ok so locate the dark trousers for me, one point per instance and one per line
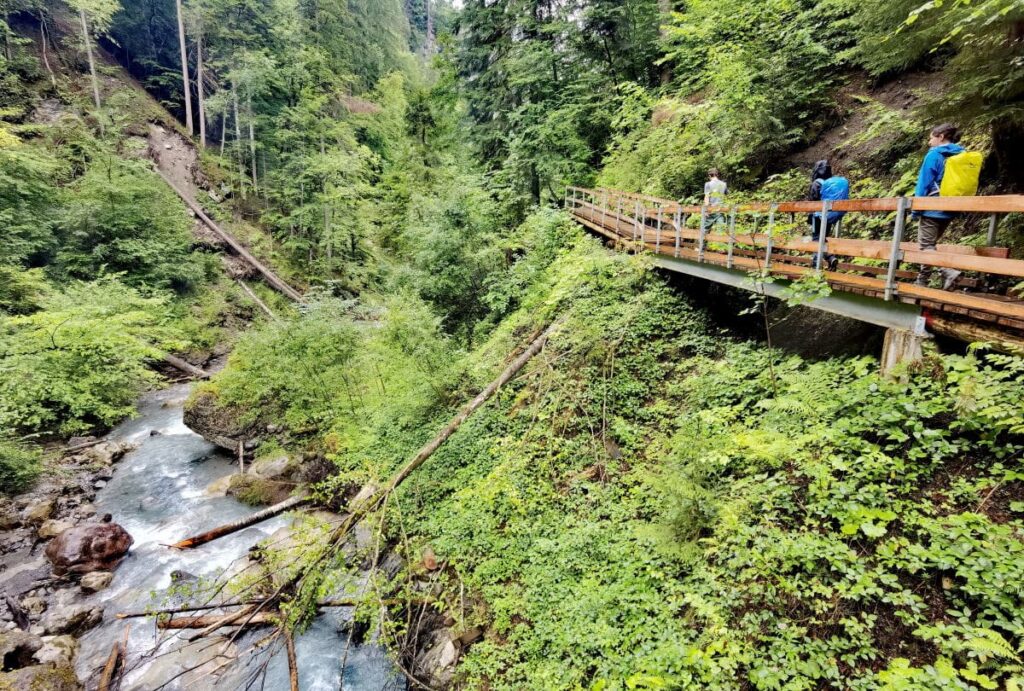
(815, 222)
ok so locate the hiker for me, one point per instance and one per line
(826, 186)
(714, 195)
(931, 182)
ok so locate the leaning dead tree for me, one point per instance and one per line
(273, 279)
(372, 499)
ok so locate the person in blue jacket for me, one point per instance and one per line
(825, 185)
(932, 224)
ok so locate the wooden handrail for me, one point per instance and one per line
(635, 226)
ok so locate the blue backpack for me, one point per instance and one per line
(834, 189)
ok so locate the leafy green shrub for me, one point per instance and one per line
(81, 360)
(19, 466)
(119, 217)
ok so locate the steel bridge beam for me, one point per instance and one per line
(890, 315)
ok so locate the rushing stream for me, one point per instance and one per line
(158, 494)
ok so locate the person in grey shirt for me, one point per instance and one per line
(714, 195)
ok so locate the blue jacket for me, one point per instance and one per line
(930, 177)
(834, 188)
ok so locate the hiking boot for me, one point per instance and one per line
(949, 277)
(833, 263)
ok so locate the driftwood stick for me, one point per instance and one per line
(293, 664)
(186, 367)
(209, 624)
(241, 456)
(234, 527)
(115, 663)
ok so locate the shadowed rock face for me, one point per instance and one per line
(88, 547)
(218, 425)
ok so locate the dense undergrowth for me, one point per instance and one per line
(651, 505)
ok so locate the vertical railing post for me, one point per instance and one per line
(604, 208)
(819, 259)
(636, 224)
(657, 232)
(771, 238)
(618, 213)
(896, 252)
(993, 221)
(679, 221)
(839, 224)
(732, 236)
(701, 233)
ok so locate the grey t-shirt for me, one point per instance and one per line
(715, 189)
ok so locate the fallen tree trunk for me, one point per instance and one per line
(186, 367)
(376, 499)
(269, 275)
(974, 333)
(255, 298)
(212, 623)
(344, 602)
(293, 662)
(234, 527)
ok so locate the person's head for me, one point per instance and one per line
(945, 133)
(713, 173)
(821, 169)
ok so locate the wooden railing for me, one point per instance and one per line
(873, 267)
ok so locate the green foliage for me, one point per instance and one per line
(28, 203)
(752, 81)
(119, 217)
(80, 362)
(19, 466)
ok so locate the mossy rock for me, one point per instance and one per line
(256, 491)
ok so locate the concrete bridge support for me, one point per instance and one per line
(900, 346)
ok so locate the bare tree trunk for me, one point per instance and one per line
(252, 143)
(186, 84)
(223, 131)
(200, 76)
(92, 66)
(238, 137)
(46, 54)
(665, 14)
(430, 30)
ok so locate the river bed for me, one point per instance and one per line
(158, 494)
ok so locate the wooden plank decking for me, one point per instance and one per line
(880, 269)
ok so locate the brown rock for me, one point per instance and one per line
(88, 547)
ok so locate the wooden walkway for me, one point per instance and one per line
(768, 238)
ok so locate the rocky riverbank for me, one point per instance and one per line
(55, 551)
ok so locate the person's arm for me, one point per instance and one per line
(707, 193)
(814, 194)
(928, 176)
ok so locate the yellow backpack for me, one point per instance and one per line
(960, 178)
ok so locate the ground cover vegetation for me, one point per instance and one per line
(652, 503)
